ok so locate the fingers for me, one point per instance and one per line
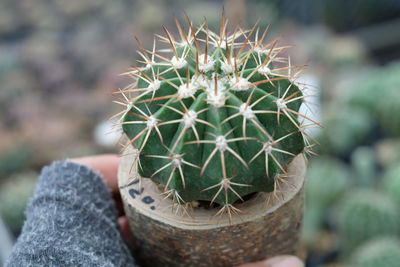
(106, 165)
(278, 261)
(126, 230)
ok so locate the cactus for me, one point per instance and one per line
(378, 95)
(219, 119)
(364, 215)
(391, 183)
(345, 129)
(383, 252)
(327, 181)
(373, 87)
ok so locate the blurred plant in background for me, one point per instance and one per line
(14, 194)
(60, 61)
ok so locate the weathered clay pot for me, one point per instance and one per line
(269, 223)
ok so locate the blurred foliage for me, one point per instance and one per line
(361, 129)
(371, 87)
(391, 182)
(364, 163)
(327, 181)
(388, 151)
(389, 110)
(346, 127)
(341, 15)
(14, 160)
(14, 196)
(364, 215)
(383, 252)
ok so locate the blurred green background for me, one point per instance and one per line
(60, 61)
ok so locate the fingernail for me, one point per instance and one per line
(284, 261)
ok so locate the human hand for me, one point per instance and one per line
(107, 166)
(278, 261)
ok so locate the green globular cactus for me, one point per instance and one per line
(345, 129)
(365, 215)
(378, 95)
(383, 252)
(373, 88)
(217, 119)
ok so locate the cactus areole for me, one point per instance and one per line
(213, 117)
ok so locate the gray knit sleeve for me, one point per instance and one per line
(71, 221)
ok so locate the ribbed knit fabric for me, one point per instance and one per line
(71, 221)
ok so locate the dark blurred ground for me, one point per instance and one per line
(60, 60)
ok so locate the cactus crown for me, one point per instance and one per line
(214, 117)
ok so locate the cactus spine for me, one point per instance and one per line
(219, 119)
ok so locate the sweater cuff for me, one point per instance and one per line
(78, 182)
